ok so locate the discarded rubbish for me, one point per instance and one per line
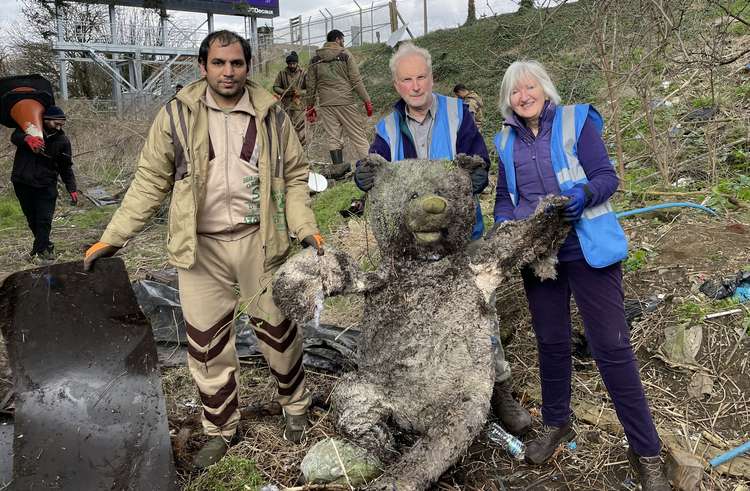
(684, 469)
(635, 308)
(356, 209)
(100, 197)
(702, 114)
(326, 347)
(316, 182)
(334, 461)
(727, 456)
(681, 345)
(726, 285)
(701, 386)
(725, 313)
(88, 389)
(511, 444)
(572, 445)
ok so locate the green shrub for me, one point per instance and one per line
(231, 473)
(327, 205)
(636, 260)
(11, 215)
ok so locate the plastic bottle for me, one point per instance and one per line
(510, 443)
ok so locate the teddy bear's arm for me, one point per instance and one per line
(306, 279)
(533, 242)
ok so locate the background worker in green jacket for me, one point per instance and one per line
(238, 178)
(290, 87)
(332, 80)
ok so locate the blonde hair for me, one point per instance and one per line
(517, 71)
(408, 49)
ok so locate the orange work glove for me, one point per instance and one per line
(315, 241)
(100, 249)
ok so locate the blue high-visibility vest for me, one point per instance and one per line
(602, 239)
(448, 116)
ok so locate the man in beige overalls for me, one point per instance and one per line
(238, 178)
(332, 79)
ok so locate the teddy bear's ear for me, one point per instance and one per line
(374, 160)
(468, 162)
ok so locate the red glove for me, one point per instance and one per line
(311, 114)
(74, 198)
(35, 143)
(368, 108)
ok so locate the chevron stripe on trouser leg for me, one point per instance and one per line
(279, 339)
(209, 300)
(281, 346)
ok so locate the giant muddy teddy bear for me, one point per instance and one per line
(425, 373)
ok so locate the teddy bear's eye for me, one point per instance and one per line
(414, 196)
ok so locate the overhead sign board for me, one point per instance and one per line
(253, 8)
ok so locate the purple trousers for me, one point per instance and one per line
(599, 297)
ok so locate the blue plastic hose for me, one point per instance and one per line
(727, 456)
(665, 205)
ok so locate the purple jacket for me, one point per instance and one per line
(468, 140)
(535, 177)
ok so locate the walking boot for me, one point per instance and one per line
(295, 427)
(513, 415)
(650, 472)
(541, 448)
(338, 168)
(212, 451)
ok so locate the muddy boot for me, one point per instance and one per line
(541, 448)
(650, 472)
(212, 451)
(515, 418)
(338, 168)
(295, 427)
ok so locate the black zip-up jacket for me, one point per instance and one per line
(41, 171)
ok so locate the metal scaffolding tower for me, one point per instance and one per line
(171, 53)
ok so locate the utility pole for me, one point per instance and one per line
(424, 9)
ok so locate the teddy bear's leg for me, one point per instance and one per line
(362, 413)
(442, 446)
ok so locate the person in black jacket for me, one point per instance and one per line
(34, 178)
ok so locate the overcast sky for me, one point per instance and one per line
(441, 13)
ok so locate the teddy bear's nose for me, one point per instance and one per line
(434, 205)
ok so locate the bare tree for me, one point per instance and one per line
(471, 15)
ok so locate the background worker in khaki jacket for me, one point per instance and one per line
(474, 102)
(332, 79)
(290, 87)
(238, 179)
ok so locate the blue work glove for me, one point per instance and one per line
(364, 176)
(479, 180)
(499, 220)
(579, 196)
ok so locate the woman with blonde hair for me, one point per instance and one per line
(546, 148)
